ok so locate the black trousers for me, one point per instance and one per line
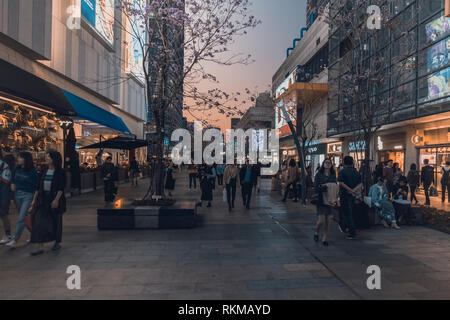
(426, 188)
(347, 221)
(444, 188)
(288, 188)
(247, 189)
(413, 193)
(231, 193)
(109, 191)
(220, 179)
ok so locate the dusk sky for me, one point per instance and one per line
(281, 23)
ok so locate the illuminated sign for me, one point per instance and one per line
(281, 123)
(438, 84)
(88, 8)
(286, 84)
(357, 146)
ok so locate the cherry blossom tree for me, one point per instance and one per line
(175, 40)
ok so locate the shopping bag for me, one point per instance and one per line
(433, 192)
(224, 195)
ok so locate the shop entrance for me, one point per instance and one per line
(396, 156)
(437, 156)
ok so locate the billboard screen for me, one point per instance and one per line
(438, 84)
(438, 55)
(437, 29)
(99, 14)
(135, 37)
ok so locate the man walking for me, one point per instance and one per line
(427, 177)
(350, 188)
(247, 176)
(388, 174)
(193, 173)
(109, 176)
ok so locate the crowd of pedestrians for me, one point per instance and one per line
(38, 196)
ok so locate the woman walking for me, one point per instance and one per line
(291, 180)
(51, 205)
(5, 197)
(25, 186)
(414, 182)
(325, 180)
(230, 178)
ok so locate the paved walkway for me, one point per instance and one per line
(265, 253)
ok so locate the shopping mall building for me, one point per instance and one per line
(65, 63)
(301, 85)
(418, 127)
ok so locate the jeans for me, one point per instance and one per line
(347, 221)
(445, 186)
(192, 180)
(23, 201)
(231, 193)
(220, 179)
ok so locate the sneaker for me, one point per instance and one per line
(37, 253)
(6, 239)
(350, 237)
(11, 244)
(340, 229)
(384, 223)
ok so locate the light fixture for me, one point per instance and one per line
(27, 105)
(398, 147)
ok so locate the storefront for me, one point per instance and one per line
(357, 150)
(335, 153)
(315, 155)
(392, 147)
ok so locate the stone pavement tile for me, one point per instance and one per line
(432, 295)
(439, 275)
(304, 267)
(292, 283)
(116, 290)
(60, 292)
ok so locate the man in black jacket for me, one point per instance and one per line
(109, 176)
(427, 178)
(248, 177)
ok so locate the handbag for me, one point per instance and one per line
(433, 192)
(315, 198)
(29, 220)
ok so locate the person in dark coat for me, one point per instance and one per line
(170, 179)
(207, 181)
(413, 181)
(51, 205)
(109, 175)
(427, 178)
(248, 176)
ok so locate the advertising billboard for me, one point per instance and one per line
(438, 55)
(135, 37)
(437, 29)
(438, 84)
(99, 14)
(281, 123)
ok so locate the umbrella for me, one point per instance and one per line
(119, 143)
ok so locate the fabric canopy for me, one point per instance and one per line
(119, 143)
(21, 86)
(86, 110)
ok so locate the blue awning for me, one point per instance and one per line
(91, 112)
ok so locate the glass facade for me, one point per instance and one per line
(416, 71)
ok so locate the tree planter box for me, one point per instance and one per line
(181, 215)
